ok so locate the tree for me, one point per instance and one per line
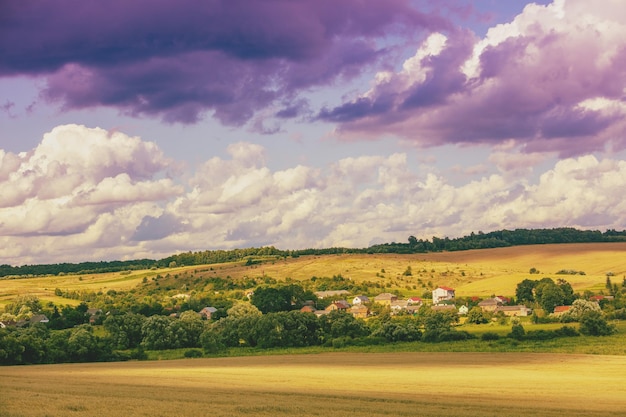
(477, 316)
(517, 332)
(549, 295)
(157, 334)
(524, 291)
(271, 300)
(125, 330)
(593, 323)
(341, 324)
(191, 326)
(437, 323)
(243, 309)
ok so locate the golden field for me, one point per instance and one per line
(382, 384)
(472, 273)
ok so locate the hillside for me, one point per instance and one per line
(472, 273)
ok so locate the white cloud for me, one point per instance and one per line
(241, 202)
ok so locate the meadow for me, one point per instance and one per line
(372, 384)
(472, 273)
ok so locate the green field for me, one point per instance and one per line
(391, 384)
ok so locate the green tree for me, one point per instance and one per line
(341, 324)
(477, 316)
(593, 323)
(271, 300)
(524, 291)
(436, 323)
(243, 309)
(550, 295)
(156, 333)
(125, 330)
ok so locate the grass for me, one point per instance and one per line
(382, 384)
(472, 273)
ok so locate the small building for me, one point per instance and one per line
(207, 312)
(308, 309)
(560, 310)
(38, 318)
(463, 310)
(490, 304)
(385, 298)
(359, 311)
(412, 301)
(360, 299)
(398, 306)
(442, 294)
(340, 305)
(514, 311)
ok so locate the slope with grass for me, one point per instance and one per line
(472, 273)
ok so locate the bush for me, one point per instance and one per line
(454, 335)
(593, 323)
(489, 336)
(193, 353)
(566, 331)
(517, 332)
(139, 354)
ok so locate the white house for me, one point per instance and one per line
(360, 299)
(442, 294)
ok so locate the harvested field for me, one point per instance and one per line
(386, 384)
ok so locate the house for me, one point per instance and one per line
(38, 318)
(359, 311)
(442, 294)
(385, 298)
(341, 305)
(360, 299)
(514, 311)
(308, 309)
(502, 299)
(490, 304)
(398, 305)
(207, 312)
(414, 301)
(333, 293)
(598, 298)
(463, 310)
(560, 310)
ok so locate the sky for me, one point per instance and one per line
(142, 129)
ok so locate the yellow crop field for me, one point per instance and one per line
(380, 384)
(471, 273)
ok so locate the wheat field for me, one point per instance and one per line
(382, 384)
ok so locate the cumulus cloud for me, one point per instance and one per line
(73, 205)
(76, 178)
(552, 79)
(178, 62)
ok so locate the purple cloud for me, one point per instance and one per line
(180, 60)
(545, 81)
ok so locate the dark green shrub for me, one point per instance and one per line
(193, 353)
(489, 336)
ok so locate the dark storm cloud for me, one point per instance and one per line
(179, 59)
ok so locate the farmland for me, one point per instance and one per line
(400, 384)
(471, 273)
